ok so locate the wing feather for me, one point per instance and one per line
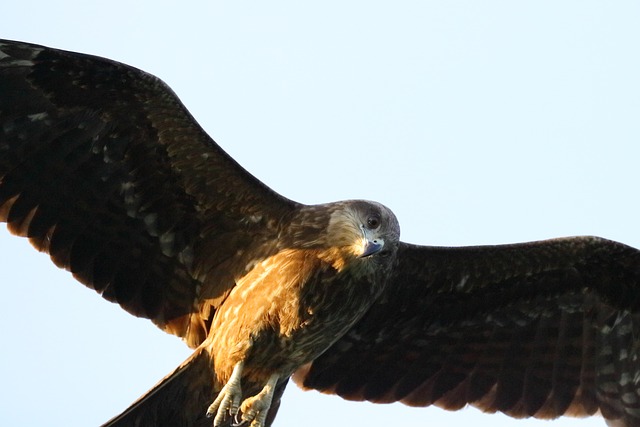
(540, 330)
(103, 168)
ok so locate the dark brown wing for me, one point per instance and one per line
(102, 167)
(539, 329)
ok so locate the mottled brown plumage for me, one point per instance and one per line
(103, 168)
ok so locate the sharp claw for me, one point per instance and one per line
(237, 421)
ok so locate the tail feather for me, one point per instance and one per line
(179, 400)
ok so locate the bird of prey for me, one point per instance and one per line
(105, 170)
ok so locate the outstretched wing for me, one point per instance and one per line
(103, 168)
(539, 329)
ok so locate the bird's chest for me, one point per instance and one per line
(287, 311)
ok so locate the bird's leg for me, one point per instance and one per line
(228, 400)
(255, 409)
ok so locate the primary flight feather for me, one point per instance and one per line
(104, 169)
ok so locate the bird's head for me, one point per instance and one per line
(367, 230)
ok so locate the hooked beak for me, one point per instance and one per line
(372, 245)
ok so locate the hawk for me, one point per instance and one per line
(105, 170)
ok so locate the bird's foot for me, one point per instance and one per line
(255, 409)
(227, 402)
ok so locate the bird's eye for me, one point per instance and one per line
(373, 222)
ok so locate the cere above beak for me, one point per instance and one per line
(372, 244)
(371, 247)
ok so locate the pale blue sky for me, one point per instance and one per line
(477, 122)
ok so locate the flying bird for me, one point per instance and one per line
(104, 169)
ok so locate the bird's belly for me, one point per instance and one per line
(299, 341)
(276, 322)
